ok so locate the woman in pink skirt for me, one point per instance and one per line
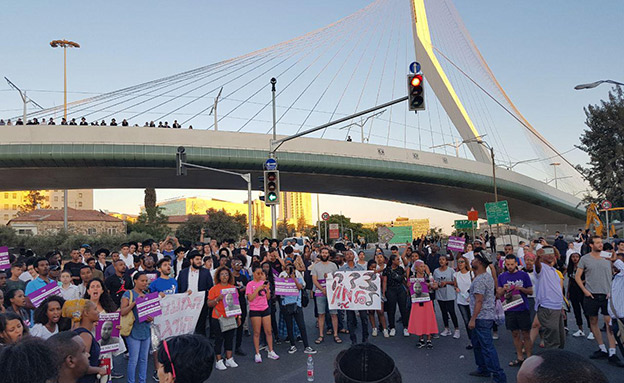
(422, 317)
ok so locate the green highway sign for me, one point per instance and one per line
(465, 224)
(497, 212)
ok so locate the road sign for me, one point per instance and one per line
(334, 231)
(464, 224)
(414, 67)
(270, 164)
(606, 204)
(497, 212)
(325, 216)
(473, 215)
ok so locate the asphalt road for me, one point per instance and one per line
(448, 361)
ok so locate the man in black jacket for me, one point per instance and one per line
(196, 278)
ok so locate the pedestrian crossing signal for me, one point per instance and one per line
(415, 92)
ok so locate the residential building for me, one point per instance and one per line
(50, 221)
(296, 209)
(10, 201)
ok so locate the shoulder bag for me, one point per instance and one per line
(127, 321)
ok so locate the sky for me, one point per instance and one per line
(537, 49)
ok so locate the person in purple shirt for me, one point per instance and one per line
(513, 287)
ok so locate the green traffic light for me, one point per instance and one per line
(271, 197)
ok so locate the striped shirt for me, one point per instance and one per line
(617, 291)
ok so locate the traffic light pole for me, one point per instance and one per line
(272, 155)
(247, 178)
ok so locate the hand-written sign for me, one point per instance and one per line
(180, 313)
(354, 290)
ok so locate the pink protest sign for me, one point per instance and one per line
(107, 332)
(419, 290)
(456, 243)
(148, 306)
(38, 296)
(5, 264)
(286, 287)
(323, 283)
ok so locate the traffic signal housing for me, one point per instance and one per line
(180, 158)
(271, 187)
(415, 92)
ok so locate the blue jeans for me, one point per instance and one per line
(484, 351)
(138, 351)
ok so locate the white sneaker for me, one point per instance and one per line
(258, 358)
(272, 355)
(220, 365)
(456, 335)
(292, 350)
(309, 350)
(230, 363)
(405, 332)
(578, 334)
(392, 332)
(591, 336)
(495, 336)
(385, 333)
(375, 331)
(446, 332)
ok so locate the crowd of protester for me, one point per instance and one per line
(83, 122)
(522, 288)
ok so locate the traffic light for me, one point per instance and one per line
(415, 92)
(271, 187)
(180, 158)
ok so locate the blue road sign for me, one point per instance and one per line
(414, 67)
(270, 164)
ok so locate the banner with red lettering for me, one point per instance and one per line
(354, 290)
(180, 313)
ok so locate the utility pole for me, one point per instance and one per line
(554, 165)
(272, 155)
(318, 217)
(25, 99)
(214, 108)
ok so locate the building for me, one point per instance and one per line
(10, 201)
(296, 209)
(198, 206)
(50, 221)
(419, 226)
(174, 221)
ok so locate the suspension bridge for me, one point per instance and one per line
(435, 158)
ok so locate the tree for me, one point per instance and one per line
(34, 200)
(151, 221)
(191, 229)
(222, 226)
(358, 228)
(603, 141)
(150, 198)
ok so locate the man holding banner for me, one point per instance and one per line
(351, 265)
(320, 272)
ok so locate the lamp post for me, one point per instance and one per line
(64, 44)
(595, 84)
(455, 145)
(554, 165)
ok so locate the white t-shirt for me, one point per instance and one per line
(129, 260)
(463, 284)
(42, 332)
(70, 293)
(469, 257)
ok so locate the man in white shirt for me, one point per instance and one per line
(125, 255)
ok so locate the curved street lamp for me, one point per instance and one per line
(595, 84)
(64, 44)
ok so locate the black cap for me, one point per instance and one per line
(365, 363)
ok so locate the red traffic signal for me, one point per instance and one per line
(415, 92)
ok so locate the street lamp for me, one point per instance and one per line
(362, 123)
(554, 165)
(595, 84)
(455, 145)
(64, 44)
(479, 140)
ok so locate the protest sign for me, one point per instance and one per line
(512, 301)
(148, 306)
(107, 332)
(354, 290)
(419, 290)
(180, 313)
(323, 283)
(39, 295)
(286, 287)
(456, 243)
(231, 302)
(5, 264)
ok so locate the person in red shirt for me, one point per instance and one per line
(224, 339)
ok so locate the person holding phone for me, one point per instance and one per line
(258, 292)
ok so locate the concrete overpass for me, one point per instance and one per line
(106, 157)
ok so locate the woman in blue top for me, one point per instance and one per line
(139, 339)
